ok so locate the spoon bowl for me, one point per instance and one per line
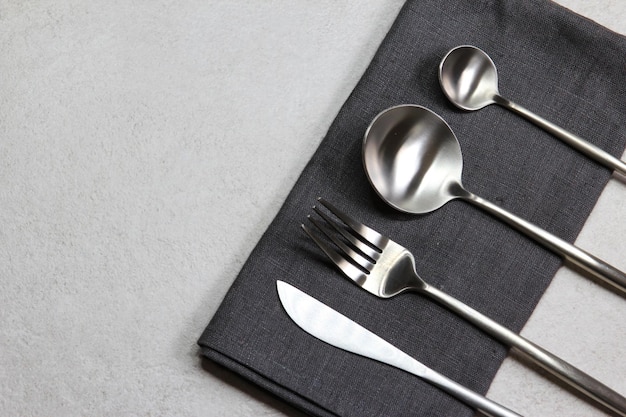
(469, 78)
(413, 160)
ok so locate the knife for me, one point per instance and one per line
(337, 330)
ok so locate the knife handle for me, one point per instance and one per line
(466, 395)
(569, 374)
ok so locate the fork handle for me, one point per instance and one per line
(569, 374)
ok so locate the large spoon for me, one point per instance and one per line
(414, 162)
(469, 79)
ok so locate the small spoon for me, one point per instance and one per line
(413, 160)
(469, 79)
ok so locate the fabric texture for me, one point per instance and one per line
(563, 67)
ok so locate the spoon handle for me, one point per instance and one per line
(551, 363)
(579, 257)
(574, 141)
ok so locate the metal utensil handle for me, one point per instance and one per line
(583, 259)
(574, 141)
(551, 363)
(468, 396)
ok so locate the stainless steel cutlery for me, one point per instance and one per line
(332, 327)
(385, 268)
(413, 160)
(468, 77)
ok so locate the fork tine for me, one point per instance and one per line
(370, 236)
(352, 255)
(349, 269)
(362, 248)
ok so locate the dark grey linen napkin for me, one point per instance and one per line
(560, 65)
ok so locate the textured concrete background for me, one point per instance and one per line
(145, 147)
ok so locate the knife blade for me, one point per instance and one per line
(332, 327)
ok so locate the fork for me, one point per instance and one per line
(385, 269)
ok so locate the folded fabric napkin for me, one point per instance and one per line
(564, 67)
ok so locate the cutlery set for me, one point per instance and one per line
(414, 163)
